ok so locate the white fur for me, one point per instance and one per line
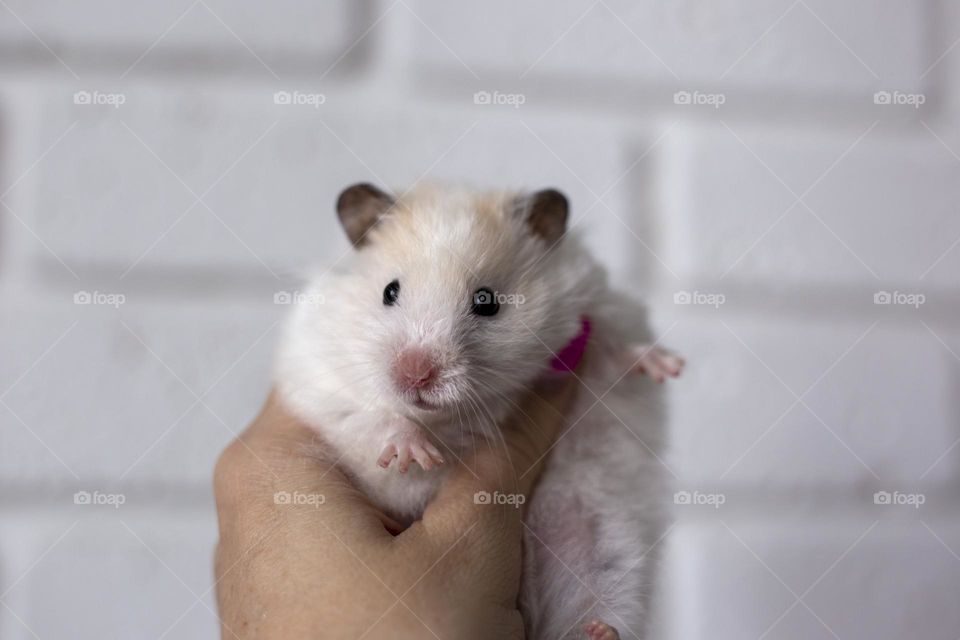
(596, 510)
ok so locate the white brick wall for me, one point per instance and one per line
(874, 205)
(114, 35)
(197, 199)
(692, 42)
(853, 579)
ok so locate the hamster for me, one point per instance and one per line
(454, 303)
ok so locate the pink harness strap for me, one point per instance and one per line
(570, 356)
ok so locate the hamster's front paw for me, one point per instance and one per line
(408, 443)
(654, 361)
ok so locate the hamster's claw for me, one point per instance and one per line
(654, 361)
(409, 447)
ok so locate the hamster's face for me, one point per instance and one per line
(442, 343)
(467, 307)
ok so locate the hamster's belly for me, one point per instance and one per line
(593, 517)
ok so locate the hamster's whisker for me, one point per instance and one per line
(350, 382)
(473, 409)
(362, 363)
(511, 402)
(502, 395)
(491, 420)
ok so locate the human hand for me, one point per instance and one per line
(324, 564)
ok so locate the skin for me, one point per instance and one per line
(341, 569)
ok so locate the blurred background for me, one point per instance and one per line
(777, 179)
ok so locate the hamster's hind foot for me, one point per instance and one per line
(597, 630)
(653, 361)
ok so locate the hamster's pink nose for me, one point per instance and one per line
(415, 368)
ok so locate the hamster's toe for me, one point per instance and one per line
(410, 446)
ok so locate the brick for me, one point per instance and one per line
(106, 406)
(275, 206)
(898, 581)
(99, 580)
(889, 200)
(872, 400)
(211, 33)
(750, 45)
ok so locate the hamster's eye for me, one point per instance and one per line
(485, 302)
(391, 292)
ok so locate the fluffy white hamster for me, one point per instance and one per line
(454, 302)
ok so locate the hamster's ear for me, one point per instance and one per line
(359, 207)
(545, 213)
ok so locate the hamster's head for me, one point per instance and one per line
(461, 297)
